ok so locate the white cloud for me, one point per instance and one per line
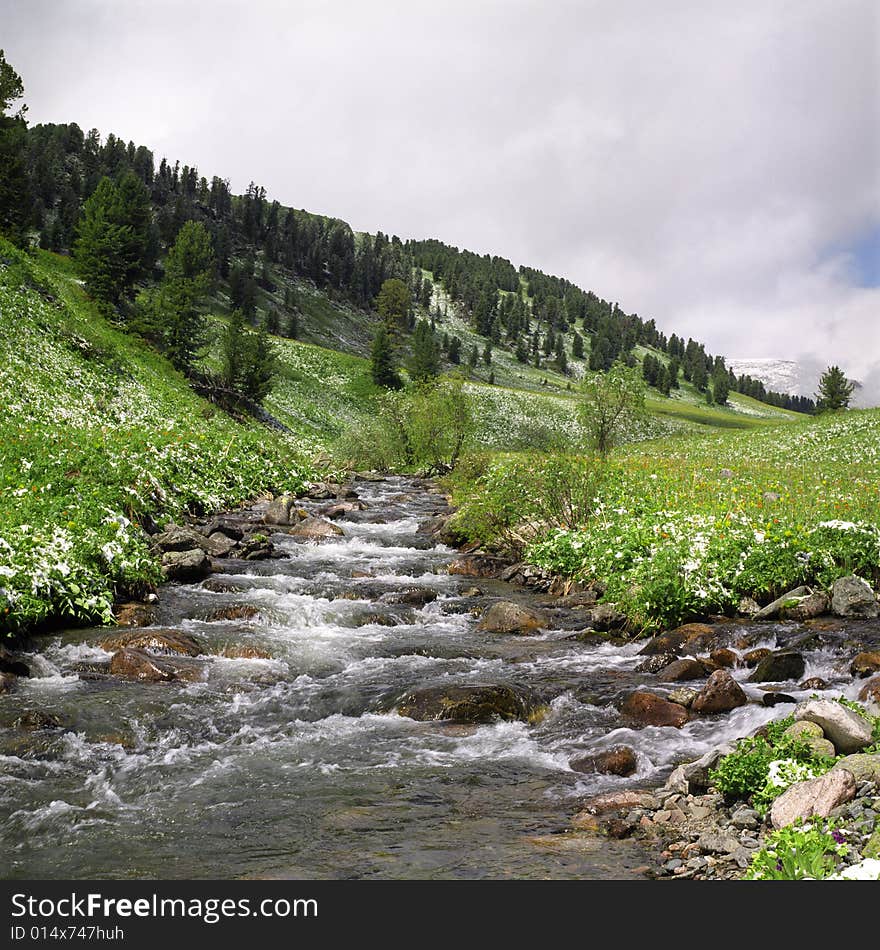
(694, 160)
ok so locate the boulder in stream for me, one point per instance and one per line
(865, 664)
(508, 617)
(167, 642)
(721, 694)
(648, 709)
(186, 566)
(281, 511)
(682, 670)
(470, 702)
(618, 760)
(135, 614)
(147, 667)
(690, 639)
(316, 529)
(779, 667)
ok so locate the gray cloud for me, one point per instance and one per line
(704, 163)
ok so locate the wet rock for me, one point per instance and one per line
(37, 720)
(12, 665)
(684, 696)
(780, 667)
(656, 663)
(865, 664)
(648, 709)
(135, 614)
(281, 511)
(220, 544)
(852, 597)
(607, 617)
(7, 682)
(814, 683)
(316, 529)
(169, 642)
(258, 548)
(232, 612)
(747, 607)
(690, 638)
(140, 665)
(177, 538)
(244, 651)
(224, 526)
(342, 509)
(186, 566)
(507, 617)
(479, 703)
(864, 767)
(618, 760)
(817, 796)
(724, 658)
(754, 657)
(611, 801)
(776, 699)
(477, 565)
(720, 694)
(870, 692)
(321, 492)
(682, 670)
(847, 730)
(412, 597)
(786, 601)
(812, 606)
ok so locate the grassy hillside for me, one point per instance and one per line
(97, 431)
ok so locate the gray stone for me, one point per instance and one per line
(177, 538)
(812, 606)
(852, 597)
(607, 617)
(316, 529)
(281, 511)
(716, 842)
(220, 544)
(186, 566)
(684, 696)
(817, 796)
(745, 818)
(804, 728)
(693, 776)
(864, 767)
(847, 730)
(789, 600)
(779, 667)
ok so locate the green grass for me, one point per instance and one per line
(686, 525)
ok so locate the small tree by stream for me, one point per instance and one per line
(610, 403)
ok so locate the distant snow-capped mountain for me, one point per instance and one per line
(798, 378)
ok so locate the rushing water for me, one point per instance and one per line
(287, 767)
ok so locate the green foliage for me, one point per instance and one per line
(383, 366)
(248, 362)
(835, 390)
(610, 403)
(507, 503)
(798, 852)
(13, 147)
(113, 238)
(761, 768)
(423, 428)
(425, 361)
(393, 303)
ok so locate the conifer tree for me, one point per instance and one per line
(383, 367)
(835, 390)
(425, 361)
(13, 149)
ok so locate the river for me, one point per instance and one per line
(288, 767)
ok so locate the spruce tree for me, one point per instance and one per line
(189, 271)
(454, 352)
(425, 361)
(383, 367)
(577, 346)
(522, 354)
(835, 390)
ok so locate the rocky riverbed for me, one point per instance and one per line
(326, 688)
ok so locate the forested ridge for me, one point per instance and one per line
(546, 321)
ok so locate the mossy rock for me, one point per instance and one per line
(475, 703)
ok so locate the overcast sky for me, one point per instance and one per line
(713, 165)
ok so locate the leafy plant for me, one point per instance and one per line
(798, 852)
